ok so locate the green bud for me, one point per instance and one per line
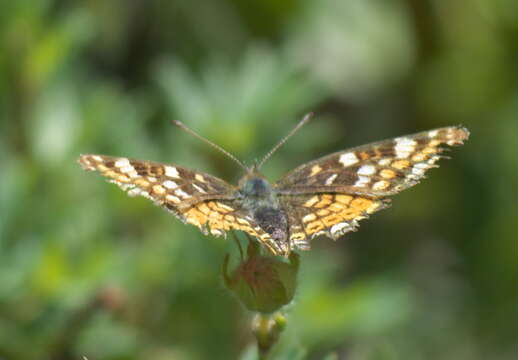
(267, 329)
(263, 283)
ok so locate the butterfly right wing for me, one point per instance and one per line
(333, 215)
(378, 169)
(331, 194)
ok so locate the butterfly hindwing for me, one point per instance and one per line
(328, 214)
(220, 216)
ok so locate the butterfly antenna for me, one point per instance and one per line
(302, 122)
(184, 127)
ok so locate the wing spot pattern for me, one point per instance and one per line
(172, 198)
(388, 174)
(404, 147)
(204, 208)
(198, 188)
(344, 199)
(315, 170)
(362, 181)
(339, 209)
(366, 170)
(419, 157)
(309, 218)
(158, 189)
(122, 163)
(141, 183)
(171, 171)
(311, 201)
(182, 194)
(401, 164)
(200, 178)
(348, 159)
(170, 184)
(329, 180)
(381, 185)
(324, 201)
(314, 227)
(322, 212)
(331, 220)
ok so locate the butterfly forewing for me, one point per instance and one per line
(174, 187)
(378, 169)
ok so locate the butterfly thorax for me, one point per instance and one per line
(258, 197)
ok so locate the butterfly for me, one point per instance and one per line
(327, 196)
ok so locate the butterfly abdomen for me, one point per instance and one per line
(260, 200)
(274, 221)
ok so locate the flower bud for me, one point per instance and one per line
(263, 283)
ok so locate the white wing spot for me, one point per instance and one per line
(97, 158)
(172, 199)
(330, 179)
(171, 172)
(134, 191)
(433, 159)
(122, 163)
(308, 218)
(216, 232)
(348, 159)
(385, 162)
(130, 171)
(224, 207)
(366, 170)
(362, 181)
(158, 189)
(338, 228)
(182, 194)
(380, 185)
(419, 169)
(315, 170)
(433, 133)
(146, 195)
(126, 169)
(404, 147)
(170, 184)
(199, 188)
(200, 178)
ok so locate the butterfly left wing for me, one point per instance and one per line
(172, 186)
(196, 198)
(331, 194)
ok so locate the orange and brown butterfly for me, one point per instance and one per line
(325, 196)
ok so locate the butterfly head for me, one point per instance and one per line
(255, 185)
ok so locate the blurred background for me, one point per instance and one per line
(87, 271)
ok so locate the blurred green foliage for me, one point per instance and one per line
(87, 271)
